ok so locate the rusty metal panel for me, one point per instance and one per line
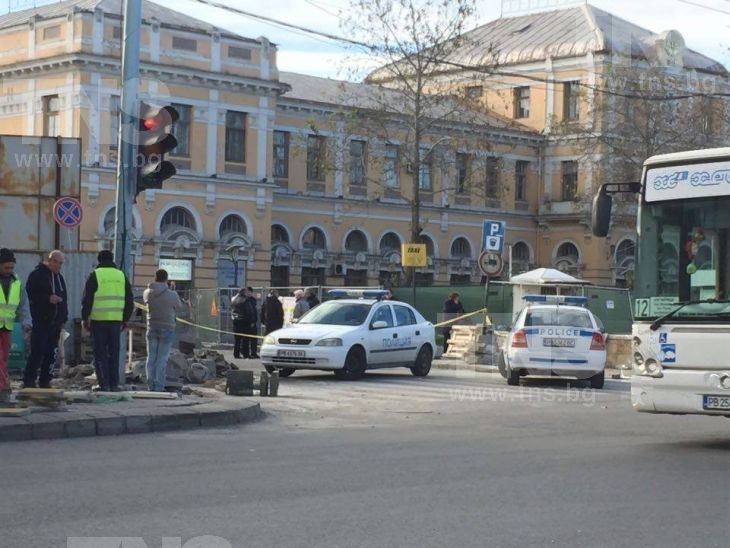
(34, 173)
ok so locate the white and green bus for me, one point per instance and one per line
(681, 292)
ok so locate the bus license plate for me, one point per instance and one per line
(715, 402)
(291, 353)
(558, 342)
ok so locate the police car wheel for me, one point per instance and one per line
(513, 377)
(422, 365)
(354, 367)
(501, 365)
(597, 380)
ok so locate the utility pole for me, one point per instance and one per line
(128, 135)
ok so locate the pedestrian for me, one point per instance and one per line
(300, 304)
(106, 306)
(13, 308)
(162, 302)
(244, 314)
(311, 298)
(272, 312)
(452, 309)
(48, 299)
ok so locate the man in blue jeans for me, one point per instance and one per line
(162, 303)
(106, 307)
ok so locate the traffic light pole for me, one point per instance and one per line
(126, 169)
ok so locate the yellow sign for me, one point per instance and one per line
(413, 255)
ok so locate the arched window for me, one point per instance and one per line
(429, 244)
(314, 239)
(279, 234)
(356, 241)
(520, 258)
(461, 248)
(625, 250)
(177, 216)
(110, 218)
(231, 224)
(568, 251)
(390, 242)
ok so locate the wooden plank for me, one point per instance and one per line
(146, 395)
(48, 392)
(14, 411)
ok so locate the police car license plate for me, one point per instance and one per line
(558, 342)
(291, 353)
(715, 402)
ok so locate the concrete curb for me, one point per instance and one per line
(106, 420)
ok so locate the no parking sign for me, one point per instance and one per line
(67, 212)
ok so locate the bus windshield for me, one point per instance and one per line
(682, 255)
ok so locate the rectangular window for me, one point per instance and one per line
(52, 33)
(521, 180)
(570, 100)
(239, 53)
(390, 167)
(357, 162)
(424, 170)
(187, 44)
(316, 147)
(181, 130)
(51, 123)
(235, 136)
(463, 162)
(281, 154)
(491, 183)
(522, 102)
(115, 109)
(569, 187)
(474, 92)
(116, 32)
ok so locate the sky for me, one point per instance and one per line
(703, 23)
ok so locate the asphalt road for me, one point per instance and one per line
(454, 459)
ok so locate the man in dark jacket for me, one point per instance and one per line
(244, 315)
(272, 312)
(106, 307)
(46, 289)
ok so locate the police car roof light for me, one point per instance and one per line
(357, 293)
(556, 299)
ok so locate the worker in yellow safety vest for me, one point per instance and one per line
(13, 308)
(106, 306)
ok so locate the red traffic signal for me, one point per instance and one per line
(154, 141)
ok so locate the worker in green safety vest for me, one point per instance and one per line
(13, 308)
(106, 306)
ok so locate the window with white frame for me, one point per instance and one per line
(390, 167)
(235, 136)
(281, 154)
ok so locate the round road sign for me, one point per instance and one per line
(491, 264)
(67, 212)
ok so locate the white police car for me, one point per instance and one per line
(555, 335)
(352, 334)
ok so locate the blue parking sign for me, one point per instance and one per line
(493, 236)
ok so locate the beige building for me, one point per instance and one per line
(279, 185)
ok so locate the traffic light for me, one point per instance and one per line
(153, 143)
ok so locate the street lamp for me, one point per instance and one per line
(234, 251)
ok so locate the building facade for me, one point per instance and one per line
(279, 184)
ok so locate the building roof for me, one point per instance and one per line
(329, 93)
(570, 32)
(150, 10)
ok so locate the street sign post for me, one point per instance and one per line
(413, 255)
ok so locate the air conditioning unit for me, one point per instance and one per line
(409, 167)
(339, 269)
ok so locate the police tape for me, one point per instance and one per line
(460, 317)
(205, 327)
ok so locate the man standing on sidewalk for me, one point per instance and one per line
(48, 300)
(106, 307)
(13, 307)
(162, 303)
